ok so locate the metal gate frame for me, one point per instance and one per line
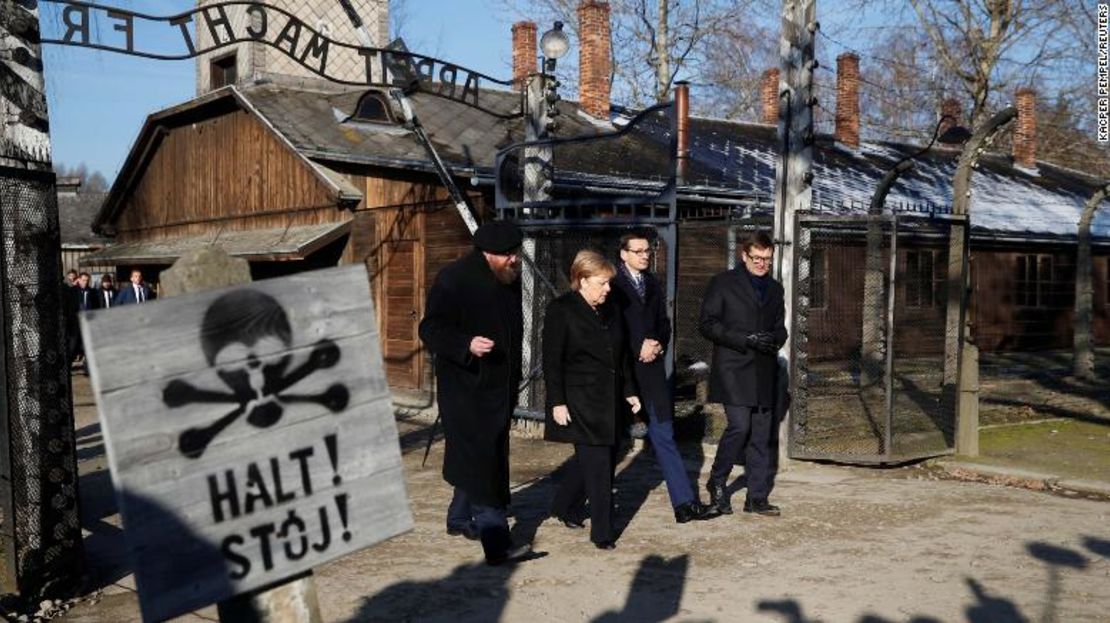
(799, 364)
(530, 406)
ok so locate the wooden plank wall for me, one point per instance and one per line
(1002, 325)
(836, 329)
(229, 172)
(702, 253)
(405, 232)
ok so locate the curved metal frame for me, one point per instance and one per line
(664, 193)
(385, 53)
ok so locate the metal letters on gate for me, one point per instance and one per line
(229, 23)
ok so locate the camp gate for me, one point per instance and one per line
(868, 374)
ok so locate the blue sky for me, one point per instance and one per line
(99, 100)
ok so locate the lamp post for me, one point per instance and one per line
(541, 98)
(873, 335)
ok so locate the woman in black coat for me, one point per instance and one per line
(587, 372)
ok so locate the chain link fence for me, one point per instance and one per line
(40, 535)
(868, 369)
(871, 308)
(547, 276)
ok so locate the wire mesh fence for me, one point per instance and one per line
(547, 276)
(40, 535)
(871, 381)
(871, 310)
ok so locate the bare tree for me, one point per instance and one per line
(657, 42)
(992, 46)
(398, 18)
(901, 89)
(91, 181)
(978, 52)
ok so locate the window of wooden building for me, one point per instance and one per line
(223, 71)
(1045, 281)
(818, 279)
(373, 107)
(925, 276)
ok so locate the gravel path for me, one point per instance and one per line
(852, 545)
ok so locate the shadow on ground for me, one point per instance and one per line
(985, 607)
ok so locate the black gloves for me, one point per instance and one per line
(761, 342)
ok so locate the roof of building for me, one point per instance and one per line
(727, 158)
(275, 244)
(1006, 199)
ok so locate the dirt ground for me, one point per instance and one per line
(853, 544)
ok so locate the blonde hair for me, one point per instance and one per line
(588, 263)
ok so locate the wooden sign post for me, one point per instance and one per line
(250, 434)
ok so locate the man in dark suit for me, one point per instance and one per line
(84, 299)
(743, 314)
(473, 324)
(643, 305)
(83, 294)
(106, 293)
(134, 292)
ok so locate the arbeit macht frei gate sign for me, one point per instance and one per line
(249, 431)
(226, 23)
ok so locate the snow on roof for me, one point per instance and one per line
(1005, 200)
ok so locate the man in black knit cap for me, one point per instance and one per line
(473, 324)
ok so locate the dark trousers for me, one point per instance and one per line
(661, 434)
(492, 522)
(588, 476)
(748, 431)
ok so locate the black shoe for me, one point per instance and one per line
(520, 553)
(761, 507)
(470, 531)
(570, 522)
(718, 498)
(607, 545)
(694, 511)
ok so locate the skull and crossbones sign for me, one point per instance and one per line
(240, 331)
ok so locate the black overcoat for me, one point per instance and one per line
(476, 396)
(586, 367)
(646, 319)
(730, 311)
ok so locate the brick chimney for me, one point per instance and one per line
(847, 99)
(682, 111)
(951, 113)
(524, 51)
(769, 94)
(594, 58)
(1025, 136)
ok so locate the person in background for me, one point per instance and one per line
(84, 299)
(134, 292)
(643, 306)
(588, 375)
(106, 293)
(83, 293)
(743, 314)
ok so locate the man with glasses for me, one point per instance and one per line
(644, 309)
(473, 324)
(743, 314)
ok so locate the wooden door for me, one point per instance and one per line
(400, 260)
